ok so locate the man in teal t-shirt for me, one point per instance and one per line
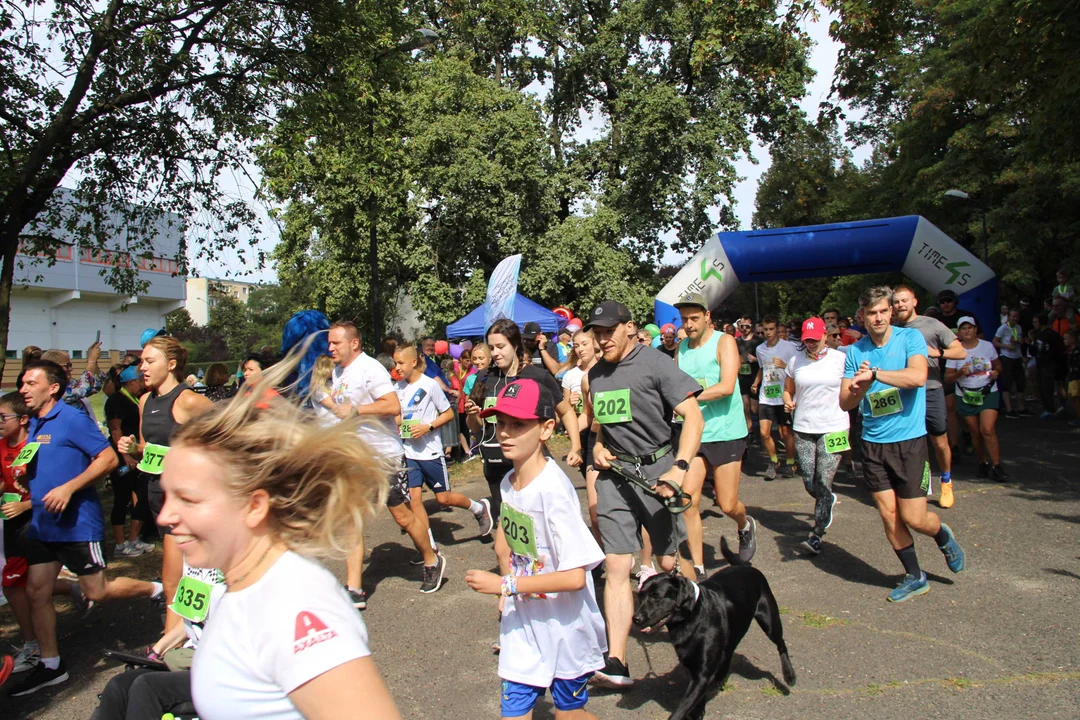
(885, 377)
(712, 358)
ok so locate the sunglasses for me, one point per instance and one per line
(834, 335)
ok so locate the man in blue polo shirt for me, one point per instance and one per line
(64, 456)
(885, 377)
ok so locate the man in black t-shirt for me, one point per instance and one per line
(633, 391)
(747, 341)
(122, 419)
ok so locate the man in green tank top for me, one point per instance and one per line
(712, 358)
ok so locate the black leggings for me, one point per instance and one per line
(123, 486)
(144, 695)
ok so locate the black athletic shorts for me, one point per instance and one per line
(81, 558)
(745, 381)
(722, 452)
(903, 467)
(155, 498)
(774, 414)
(935, 412)
(1013, 375)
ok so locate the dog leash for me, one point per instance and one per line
(677, 504)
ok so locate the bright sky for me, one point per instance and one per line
(822, 60)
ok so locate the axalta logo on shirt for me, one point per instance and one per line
(310, 630)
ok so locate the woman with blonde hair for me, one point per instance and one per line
(167, 405)
(257, 493)
(319, 390)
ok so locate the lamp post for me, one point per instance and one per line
(422, 37)
(961, 195)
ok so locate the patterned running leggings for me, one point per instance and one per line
(818, 468)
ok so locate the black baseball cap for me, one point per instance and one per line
(946, 295)
(530, 330)
(608, 314)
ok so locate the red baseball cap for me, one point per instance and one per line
(813, 329)
(667, 328)
(525, 400)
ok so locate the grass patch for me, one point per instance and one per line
(771, 691)
(958, 683)
(817, 620)
(873, 690)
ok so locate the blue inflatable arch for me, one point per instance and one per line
(911, 245)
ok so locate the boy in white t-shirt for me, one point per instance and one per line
(552, 632)
(425, 409)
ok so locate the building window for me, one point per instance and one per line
(12, 354)
(77, 354)
(105, 257)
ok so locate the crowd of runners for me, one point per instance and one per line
(248, 486)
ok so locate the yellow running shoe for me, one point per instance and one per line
(946, 499)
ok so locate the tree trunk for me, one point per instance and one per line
(10, 242)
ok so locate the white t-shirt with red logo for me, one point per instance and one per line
(264, 641)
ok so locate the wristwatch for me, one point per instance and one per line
(873, 375)
(682, 465)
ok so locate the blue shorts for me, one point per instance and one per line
(428, 472)
(518, 699)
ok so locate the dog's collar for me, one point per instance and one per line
(697, 592)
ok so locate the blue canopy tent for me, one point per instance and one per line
(525, 310)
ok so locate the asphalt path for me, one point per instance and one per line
(1000, 640)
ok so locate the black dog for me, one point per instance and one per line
(707, 621)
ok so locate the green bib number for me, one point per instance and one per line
(612, 406)
(773, 392)
(192, 601)
(744, 369)
(837, 442)
(973, 397)
(885, 402)
(490, 403)
(26, 454)
(406, 428)
(153, 459)
(579, 405)
(518, 530)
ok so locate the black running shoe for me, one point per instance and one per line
(614, 676)
(433, 575)
(358, 599)
(998, 474)
(984, 470)
(40, 677)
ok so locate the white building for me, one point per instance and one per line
(64, 306)
(202, 294)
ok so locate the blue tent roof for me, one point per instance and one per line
(525, 310)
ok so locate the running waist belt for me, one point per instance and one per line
(643, 459)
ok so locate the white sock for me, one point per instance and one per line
(355, 590)
(52, 663)
(159, 590)
(431, 539)
(476, 508)
(32, 644)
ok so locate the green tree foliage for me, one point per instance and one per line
(976, 95)
(140, 106)
(480, 150)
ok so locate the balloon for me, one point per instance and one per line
(657, 342)
(466, 344)
(564, 312)
(455, 350)
(441, 346)
(652, 329)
